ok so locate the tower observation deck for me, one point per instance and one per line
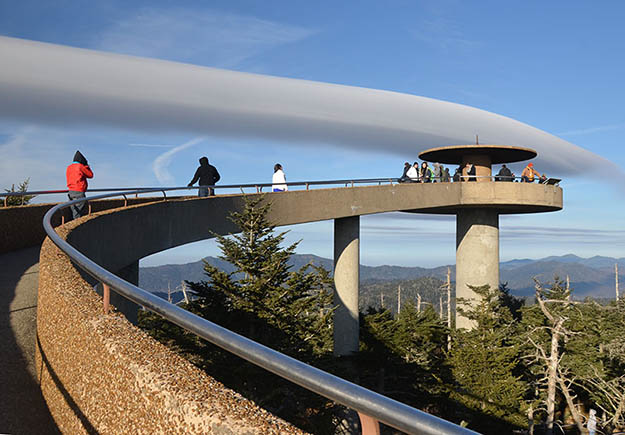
(477, 215)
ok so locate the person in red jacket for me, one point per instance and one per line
(77, 174)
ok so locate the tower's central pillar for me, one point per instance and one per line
(346, 281)
(482, 163)
(477, 255)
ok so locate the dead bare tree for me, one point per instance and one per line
(552, 357)
(613, 392)
(616, 280)
(449, 307)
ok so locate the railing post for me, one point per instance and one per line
(89, 207)
(369, 425)
(106, 297)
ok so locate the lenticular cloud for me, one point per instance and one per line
(70, 86)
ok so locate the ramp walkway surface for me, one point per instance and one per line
(22, 408)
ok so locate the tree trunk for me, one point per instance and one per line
(449, 308)
(616, 279)
(572, 407)
(440, 303)
(552, 376)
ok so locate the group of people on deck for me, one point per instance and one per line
(438, 173)
(424, 173)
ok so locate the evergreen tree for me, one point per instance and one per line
(603, 379)
(19, 200)
(262, 298)
(485, 359)
(420, 337)
(289, 311)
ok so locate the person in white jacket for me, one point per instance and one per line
(413, 173)
(279, 179)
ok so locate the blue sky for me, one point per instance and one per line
(556, 66)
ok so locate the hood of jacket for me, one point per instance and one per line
(79, 158)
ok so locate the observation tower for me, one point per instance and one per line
(477, 210)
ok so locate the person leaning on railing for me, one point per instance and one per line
(528, 174)
(504, 174)
(207, 175)
(76, 175)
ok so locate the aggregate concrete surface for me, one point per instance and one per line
(22, 408)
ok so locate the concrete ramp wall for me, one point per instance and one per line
(100, 374)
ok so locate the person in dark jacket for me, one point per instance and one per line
(404, 177)
(76, 175)
(458, 174)
(426, 173)
(207, 176)
(471, 171)
(504, 174)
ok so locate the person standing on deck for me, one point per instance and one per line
(279, 179)
(207, 176)
(76, 175)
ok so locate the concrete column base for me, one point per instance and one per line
(477, 255)
(346, 281)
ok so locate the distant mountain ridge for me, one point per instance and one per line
(592, 276)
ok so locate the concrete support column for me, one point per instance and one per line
(477, 254)
(483, 166)
(346, 281)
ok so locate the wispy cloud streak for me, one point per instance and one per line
(161, 163)
(591, 130)
(203, 36)
(149, 145)
(68, 86)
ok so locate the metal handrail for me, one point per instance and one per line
(220, 186)
(259, 186)
(368, 404)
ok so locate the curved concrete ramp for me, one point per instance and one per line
(138, 231)
(89, 358)
(22, 408)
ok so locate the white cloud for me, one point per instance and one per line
(73, 87)
(205, 36)
(149, 145)
(161, 163)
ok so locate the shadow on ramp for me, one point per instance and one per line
(22, 407)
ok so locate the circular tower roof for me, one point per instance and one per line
(497, 153)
